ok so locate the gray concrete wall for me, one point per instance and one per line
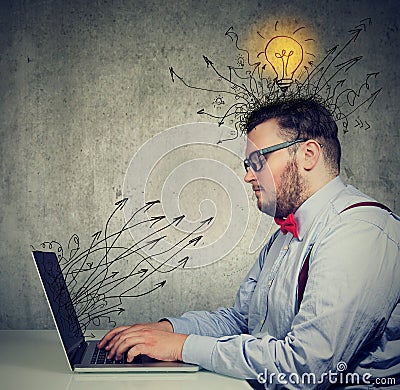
(85, 83)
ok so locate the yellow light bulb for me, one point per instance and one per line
(285, 55)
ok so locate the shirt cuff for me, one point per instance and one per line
(167, 320)
(198, 350)
(179, 325)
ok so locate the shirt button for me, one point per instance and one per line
(270, 283)
(285, 248)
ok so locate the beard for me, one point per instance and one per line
(292, 192)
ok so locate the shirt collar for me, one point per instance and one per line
(313, 206)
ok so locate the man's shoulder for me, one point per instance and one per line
(348, 196)
(351, 201)
(366, 209)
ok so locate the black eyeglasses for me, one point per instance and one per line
(255, 161)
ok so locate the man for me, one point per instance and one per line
(320, 298)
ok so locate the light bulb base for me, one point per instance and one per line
(284, 83)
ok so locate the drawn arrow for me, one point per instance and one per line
(182, 262)
(73, 251)
(371, 99)
(102, 313)
(96, 247)
(156, 286)
(119, 204)
(361, 27)
(178, 220)
(317, 67)
(349, 63)
(208, 62)
(195, 241)
(152, 243)
(118, 281)
(129, 251)
(192, 241)
(171, 72)
(156, 219)
(89, 310)
(90, 287)
(231, 34)
(148, 205)
(339, 84)
(234, 37)
(343, 66)
(207, 221)
(369, 75)
(360, 123)
(91, 302)
(114, 274)
(354, 35)
(142, 272)
(201, 88)
(95, 237)
(89, 283)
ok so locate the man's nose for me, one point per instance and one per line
(249, 176)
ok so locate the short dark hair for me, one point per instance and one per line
(303, 118)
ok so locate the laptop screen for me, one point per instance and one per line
(60, 301)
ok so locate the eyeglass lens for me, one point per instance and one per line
(255, 161)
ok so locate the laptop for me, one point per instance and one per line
(84, 356)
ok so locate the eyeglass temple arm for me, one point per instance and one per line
(282, 145)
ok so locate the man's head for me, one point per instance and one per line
(291, 174)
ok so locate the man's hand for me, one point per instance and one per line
(155, 339)
(121, 330)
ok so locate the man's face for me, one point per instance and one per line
(278, 186)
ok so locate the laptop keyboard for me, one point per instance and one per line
(100, 357)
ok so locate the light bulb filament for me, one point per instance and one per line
(284, 63)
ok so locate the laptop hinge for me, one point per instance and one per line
(79, 352)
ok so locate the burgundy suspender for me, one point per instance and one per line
(375, 204)
(302, 281)
(303, 276)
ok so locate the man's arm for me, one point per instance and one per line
(225, 321)
(217, 323)
(351, 291)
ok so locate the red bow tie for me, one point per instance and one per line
(288, 225)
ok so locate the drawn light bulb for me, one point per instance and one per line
(285, 55)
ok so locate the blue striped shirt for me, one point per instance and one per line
(350, 312)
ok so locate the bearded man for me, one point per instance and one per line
(320, 306)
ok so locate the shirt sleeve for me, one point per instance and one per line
(351, 291)
(224, 321)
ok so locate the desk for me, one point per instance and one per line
(34, 360)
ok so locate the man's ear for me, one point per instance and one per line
(311, 152)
